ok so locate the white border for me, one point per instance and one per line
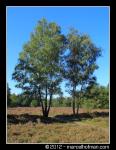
(6, 75)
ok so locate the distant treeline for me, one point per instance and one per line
(96, 97)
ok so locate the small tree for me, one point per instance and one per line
(80, 63)
(38, 69)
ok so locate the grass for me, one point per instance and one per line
(92, 128)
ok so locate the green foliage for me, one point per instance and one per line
(62, 102)
(8, 96)
(88, 105)
(80, 62)
(68, 102)
(96, 97)
(47, 58)
(100, 96)
(25, 102)
(39, 66)
(34, 103)
(15, 101)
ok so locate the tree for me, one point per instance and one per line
(34, 103)
(68, 101)
(99, 95)
(15, 101)
(80, 63)
(25, 98)
(39, 66)
(60, 98)
(8, 95)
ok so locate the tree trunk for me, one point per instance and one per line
(43, 110)
(79, 98)
(77, 109)
(50, 101)
(73, 106)
(46, 102)
(45, 115)
(74, 88)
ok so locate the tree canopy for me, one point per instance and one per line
(49, 56)
(80, 62)
(38, 69)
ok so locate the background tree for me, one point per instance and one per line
(15, 100)
(80, 63)
(8, 96)
(60, 98)
(39, 65)
(34, 103)
(98, 95)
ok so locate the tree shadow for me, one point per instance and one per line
(25, 118)
(81, 116)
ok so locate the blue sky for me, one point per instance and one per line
(94, 21)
